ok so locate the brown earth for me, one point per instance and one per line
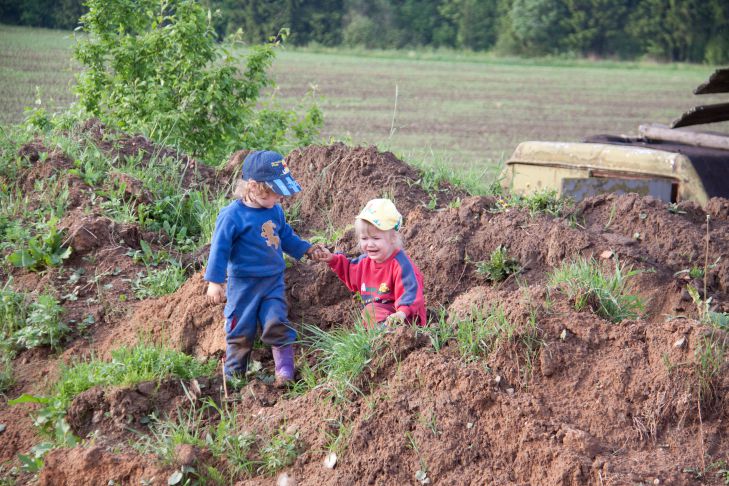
(593, 403)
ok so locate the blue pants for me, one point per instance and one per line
(253, 301)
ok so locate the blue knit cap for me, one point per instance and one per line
(270, 168)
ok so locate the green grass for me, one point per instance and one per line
(343, 354)
(159, 282)
(205, 425)
(709, 360)
(128, 365)
(539, 202)
(481, 332)
(468, 110)
(215, 428)
(329, 235)
(439, 330)
(587, 285)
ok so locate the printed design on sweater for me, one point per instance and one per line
(383, 288)
(269, 234)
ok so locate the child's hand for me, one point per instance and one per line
(320, 253)
(216, 293)
(396, 318)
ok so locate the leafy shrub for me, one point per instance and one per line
(585, 283)
(154, 66)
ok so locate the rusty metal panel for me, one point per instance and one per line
(579, 189)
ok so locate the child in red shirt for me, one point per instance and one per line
(390, 284)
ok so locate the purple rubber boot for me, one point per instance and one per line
(283, 357)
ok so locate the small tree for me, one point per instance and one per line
(154, 66)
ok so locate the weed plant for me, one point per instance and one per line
(278, 453)
(499, 266)
(544, 202)
(43, 325)
(159, 282)
(43, 250)
(205, 425)
(439, 331)
(187, 216)
(293, 213)
(307, 381)
(215, 428)
(343, 354)
(26, 324)
(330, 235)
(709, 357)
(13, 311)
(338, 441)
(587, 285)
(487, 329)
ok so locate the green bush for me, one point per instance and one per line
(154, 66)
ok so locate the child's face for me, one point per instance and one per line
(377, 244)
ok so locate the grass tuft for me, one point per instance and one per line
(343, 354)
(587, 285)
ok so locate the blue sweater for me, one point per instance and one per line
(249, 242)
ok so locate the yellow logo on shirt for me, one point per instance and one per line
(383, 288)
(268, 233)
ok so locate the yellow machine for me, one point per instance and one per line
(670, 163)
(580, 170)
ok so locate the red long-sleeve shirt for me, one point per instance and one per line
(397, 280)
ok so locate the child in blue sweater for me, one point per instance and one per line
(251, 234)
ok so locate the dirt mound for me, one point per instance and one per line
(182, 320)
(564, 397)
(338, 180)
(116, 414)
(96, 465)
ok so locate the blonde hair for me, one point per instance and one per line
(244, 188)
(362, 226)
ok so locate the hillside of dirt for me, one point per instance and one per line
(570, 398)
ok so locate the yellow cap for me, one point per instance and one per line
(382, 213)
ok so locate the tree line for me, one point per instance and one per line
(667, 30)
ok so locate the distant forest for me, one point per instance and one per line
(667, 30)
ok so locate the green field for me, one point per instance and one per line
(468, 110)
